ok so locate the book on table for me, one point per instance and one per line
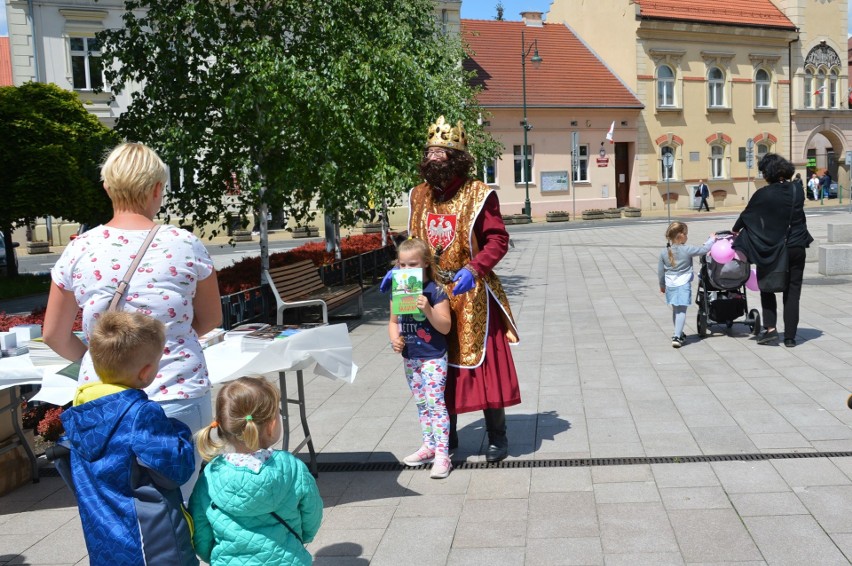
(260, 339)
(406, 286)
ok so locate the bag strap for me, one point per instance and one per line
(277, 518)
(125, 281)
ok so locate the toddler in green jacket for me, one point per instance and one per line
(251, 505)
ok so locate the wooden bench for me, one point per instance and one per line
(299, 285)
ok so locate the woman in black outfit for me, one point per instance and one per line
(776, 212)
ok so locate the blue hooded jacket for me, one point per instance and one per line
(128, 461)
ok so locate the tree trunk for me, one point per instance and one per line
(11, 266)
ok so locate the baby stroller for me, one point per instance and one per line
(721, 295)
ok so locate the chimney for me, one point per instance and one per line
(532, 19)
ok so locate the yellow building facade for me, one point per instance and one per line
(721, 87)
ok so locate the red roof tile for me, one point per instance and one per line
(5, 63)
(761, 13)
(569, 75)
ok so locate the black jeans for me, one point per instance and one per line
(703, 204)
(791, 297)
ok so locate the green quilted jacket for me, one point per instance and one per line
(232, 509)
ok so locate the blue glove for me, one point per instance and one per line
(385, 285)
(464, 282)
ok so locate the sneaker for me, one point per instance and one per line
(441, 468)
(422, 456)
(768, 338)
(677, 341)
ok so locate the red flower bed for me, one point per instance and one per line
(36, 317)
(245, 273)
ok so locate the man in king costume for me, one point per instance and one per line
(460, 218)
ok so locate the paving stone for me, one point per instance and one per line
(478, 556)
(644, 559)
(627, 492)
(621, 474)
(695, 498)
(712, 535)
(810, 471)
(561, 552)
(829, 505)
(548, 517)
(491, 534)
(499, 484)
(758, 504)
(749, 477)
(555, 480)
(404, 537)
(793, 539)
(684, 475)
(635, 528)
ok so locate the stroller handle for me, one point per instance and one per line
(724, 233)
(56, 452)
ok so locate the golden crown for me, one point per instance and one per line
(442, 134)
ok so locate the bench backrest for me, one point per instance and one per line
(296, 280)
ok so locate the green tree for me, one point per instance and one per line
(323, 103)
(50, 153)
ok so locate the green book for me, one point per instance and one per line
(406, 286)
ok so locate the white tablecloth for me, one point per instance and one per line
(327, 348)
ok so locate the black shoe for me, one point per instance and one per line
(790, 342)
(768, 338)
(497, 452)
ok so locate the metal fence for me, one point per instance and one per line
(258, 304)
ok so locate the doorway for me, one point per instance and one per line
(622, 174)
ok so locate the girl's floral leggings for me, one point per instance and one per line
(427, 380)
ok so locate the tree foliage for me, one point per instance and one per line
(322, 103)
(50, 151)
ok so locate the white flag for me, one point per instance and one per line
(610, 132)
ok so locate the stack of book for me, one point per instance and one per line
(213, 337)
(260, 339)
(239, 331)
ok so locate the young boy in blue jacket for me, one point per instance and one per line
(128, 459)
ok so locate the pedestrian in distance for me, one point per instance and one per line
(128, 459)
(813, 187)
(252, 504)
(825, 184)
(675, 274)
(797, 182)
(703, 191)
(422, 342)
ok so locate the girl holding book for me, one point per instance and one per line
(420, 338)
(674, 271)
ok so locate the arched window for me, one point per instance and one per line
(832, 89)
(761, 89)
(809, 87)
(716, 87)
(819, 91)
(667, 173)
(717, 162)
(761, 149)
(665, 86)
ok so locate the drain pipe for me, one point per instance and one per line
(35, 41)
(790, 95)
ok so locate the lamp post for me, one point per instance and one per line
(536, 60)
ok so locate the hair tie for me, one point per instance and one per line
(214, 424)
(248, 417)
(668, 244)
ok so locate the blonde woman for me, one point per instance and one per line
(174, 283)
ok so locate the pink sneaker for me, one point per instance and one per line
(441, 468)
(422, 456)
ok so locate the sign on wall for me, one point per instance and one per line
(554, 181)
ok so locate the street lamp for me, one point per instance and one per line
(535, 60)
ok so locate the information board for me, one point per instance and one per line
(554, 181)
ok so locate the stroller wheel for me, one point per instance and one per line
(754, 320)
(701, 323)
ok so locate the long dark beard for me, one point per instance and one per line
(437, 173)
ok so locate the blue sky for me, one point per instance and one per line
(4, 29)
(486, 9)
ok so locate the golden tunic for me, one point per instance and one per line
(448, 228)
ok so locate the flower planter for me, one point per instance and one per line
(631, 212)
(557, 217)
(516, 219)
(306, 232)
(242, 236)
(612, 213)
(38, 248)
(593, 215)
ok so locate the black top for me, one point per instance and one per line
(764, 222)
